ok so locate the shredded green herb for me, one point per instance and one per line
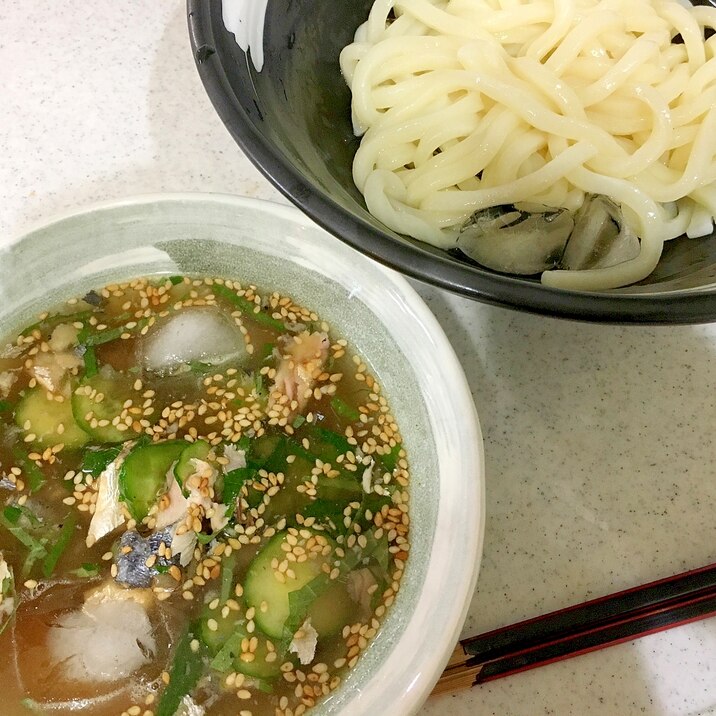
(8, 592)
(266, 353)
(14, 512)
(344, 410)
(248, 308)
(259, 385)
(36, 548)
(90, 337)
(228, 564)
(87, 570)
(339, 484)
(234, 481)
(95, 461)
(57, 319)
(200, 368)
(7, 583)
(174, 280)
(203, 538)
(270, 453)
(390, 460)
(33, 475)
(186, 670)
(326, 444)
(327, 512)
(224, 659)
(27, 529)
(23, 536)
(90, 359)
(60, 545)
(300, 602)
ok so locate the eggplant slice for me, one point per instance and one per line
(522, 239)
(526, 239)
(601, 237)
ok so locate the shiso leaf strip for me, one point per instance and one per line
(186, 670)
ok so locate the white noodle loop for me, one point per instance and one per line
(467, 104)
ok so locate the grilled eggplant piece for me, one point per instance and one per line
(601, 237)
(522, 239)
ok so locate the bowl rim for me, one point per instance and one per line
(683, 307)
(470, 531)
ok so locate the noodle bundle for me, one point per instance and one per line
(468, 104)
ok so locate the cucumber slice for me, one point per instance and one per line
(225, 643)
(184, 468)
(95, 418)
(328, 614)
(226, 626)
(332, 610)
(143, 475)
(326, 444)
(259, 667)
(263, 449)
(45, 418)
(269, 452)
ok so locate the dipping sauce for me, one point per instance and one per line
(204, 504)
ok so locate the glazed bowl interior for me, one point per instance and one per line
(278, 248)
(292, 118)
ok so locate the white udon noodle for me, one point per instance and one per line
(467, 104)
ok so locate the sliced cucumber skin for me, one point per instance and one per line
(261, 585)
(108, 409)
(45, 417)
(330, 611)
(184, 469)
(226, 627)
(143, 475)
(259, 667)
(234, 624)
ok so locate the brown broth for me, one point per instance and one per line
(313, 496)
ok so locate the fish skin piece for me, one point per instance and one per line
(131, 567)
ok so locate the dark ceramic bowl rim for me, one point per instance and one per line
(685, 307)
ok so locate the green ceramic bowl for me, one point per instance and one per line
(276, 247)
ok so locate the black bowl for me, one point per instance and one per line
(293, 121)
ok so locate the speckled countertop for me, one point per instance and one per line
(599, 440)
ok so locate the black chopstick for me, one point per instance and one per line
(595, 624)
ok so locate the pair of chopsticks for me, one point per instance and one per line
(582, 628)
